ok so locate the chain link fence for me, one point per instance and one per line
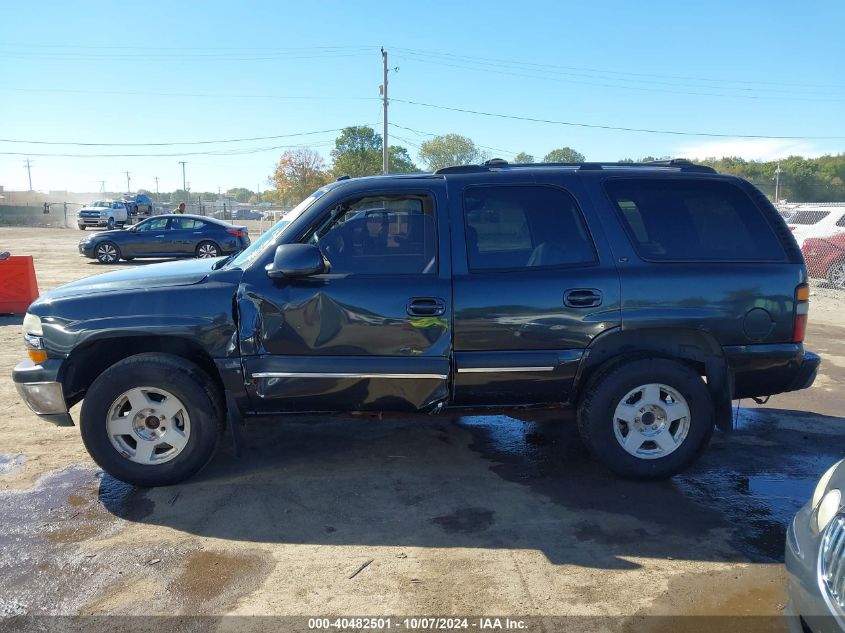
(819, 229)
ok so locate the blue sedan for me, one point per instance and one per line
(170, 235)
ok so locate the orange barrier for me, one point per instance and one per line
(18, 287)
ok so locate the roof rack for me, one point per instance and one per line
(681, 164)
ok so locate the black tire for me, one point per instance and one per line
(836, 275)
(186, 381)
(207, 246)
(608, 386)
(110, 224)
(107, 253)
(81, 227)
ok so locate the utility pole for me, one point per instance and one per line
(102, 186)
(778, 172)
(28, 164)
(184, 183)
(385, 145)
(157, 195)
(128, 188)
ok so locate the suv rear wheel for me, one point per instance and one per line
(646, 418)
(152, 420)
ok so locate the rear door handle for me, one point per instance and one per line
(426, 306)
(582, 298)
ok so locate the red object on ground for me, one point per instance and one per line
(18, 286)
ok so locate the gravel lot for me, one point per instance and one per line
(480, 515)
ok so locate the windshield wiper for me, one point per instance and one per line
(225, 261)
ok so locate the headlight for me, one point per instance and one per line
(32, 325)
(32, 338)
(828, 508)
(821, 487)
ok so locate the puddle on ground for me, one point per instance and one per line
(207, 575)
(749, 489)
(11, 463)
(749, 598)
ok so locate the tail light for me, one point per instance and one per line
(802, 307)
(791, 228)
(237, 232)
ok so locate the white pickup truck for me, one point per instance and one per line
(108, 213)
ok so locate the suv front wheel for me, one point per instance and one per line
(152, 419)
(647, 418)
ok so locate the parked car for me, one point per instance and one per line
(166, 236)
(815, 559)
(246, 214)
(646, 296)
(139, 206)
(817, 221)
(107, 213)
(826, 258)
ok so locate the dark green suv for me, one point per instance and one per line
(648, 296)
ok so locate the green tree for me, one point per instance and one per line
(450, 149)
(564, 155)
(298, 173)
(400, 161)
(241, 194)
(522, 157)
(357, 152)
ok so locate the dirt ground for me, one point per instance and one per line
(413, 515)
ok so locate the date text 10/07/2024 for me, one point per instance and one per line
(418, 624)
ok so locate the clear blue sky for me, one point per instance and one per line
(215, 70)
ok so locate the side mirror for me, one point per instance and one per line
(296, 260)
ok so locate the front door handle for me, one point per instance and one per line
(426, 306)
(582, 298)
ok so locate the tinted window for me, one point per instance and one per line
(159, 224)
(808, 217)
(841, 221)
(688, 220)
(185, 224)
(392, 234)
(512, 227)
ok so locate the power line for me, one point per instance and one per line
(544, 75)
(230, 140)
(203, 95)
(498, 62)
(611, 127)
(422, 133)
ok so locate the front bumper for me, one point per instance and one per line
(86, 251)
(806, 601)
(92, 221)
(39, 389)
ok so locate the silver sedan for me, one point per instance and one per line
(815, 559)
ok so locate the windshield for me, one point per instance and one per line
(101, 203)
(271, 236)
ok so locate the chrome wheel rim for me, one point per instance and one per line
(837, 275)
(107, 253)
(148, 425)
(207, 250)
(651, 421)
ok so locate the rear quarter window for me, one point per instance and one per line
(693, 220)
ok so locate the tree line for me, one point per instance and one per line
(358, 152)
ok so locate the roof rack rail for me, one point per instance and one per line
(681, 164)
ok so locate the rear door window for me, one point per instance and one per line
(516, 227)
(808, 217)
(693, 220)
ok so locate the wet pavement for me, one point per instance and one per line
(453, 515)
